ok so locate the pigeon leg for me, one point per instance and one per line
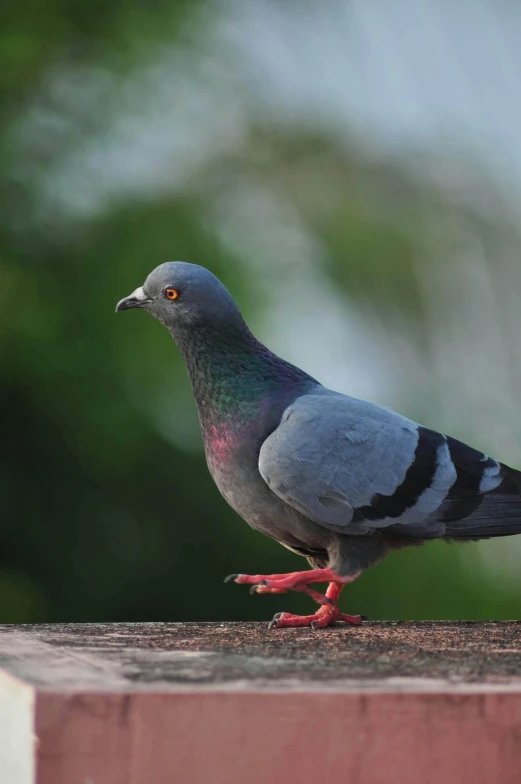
(333, 592)
(327, 614)
(320, 598)
(293, 581)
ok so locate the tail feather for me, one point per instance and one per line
(514, 475)
(498, 514)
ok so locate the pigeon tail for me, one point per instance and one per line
(499, 514)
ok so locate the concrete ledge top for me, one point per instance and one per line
(395, 656)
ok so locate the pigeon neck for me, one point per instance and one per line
(232, 373)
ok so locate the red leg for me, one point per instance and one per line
(294, 581)
(327, 614)
(333, 592)
(320, 598)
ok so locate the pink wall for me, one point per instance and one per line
(256, 737)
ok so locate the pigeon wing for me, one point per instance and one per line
(355, 467)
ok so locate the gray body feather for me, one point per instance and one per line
(331, 454)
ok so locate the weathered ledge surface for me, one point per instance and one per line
(167, 655)
(226, 703)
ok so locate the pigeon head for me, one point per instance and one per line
(230, 370)
(183, 295)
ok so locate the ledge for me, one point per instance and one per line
(227, 703)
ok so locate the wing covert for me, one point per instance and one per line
(355, 467)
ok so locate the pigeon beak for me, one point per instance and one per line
(138, 299)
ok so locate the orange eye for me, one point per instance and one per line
(171, 293)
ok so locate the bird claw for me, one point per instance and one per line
(231, 577)
(255, 588)
(275, 620)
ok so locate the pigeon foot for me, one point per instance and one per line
(325, 616)
(299, 581)
(293, 581)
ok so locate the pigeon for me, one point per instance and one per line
(335, 479)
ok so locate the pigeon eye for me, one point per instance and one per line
(171, 293)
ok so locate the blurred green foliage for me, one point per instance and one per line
(108, 511)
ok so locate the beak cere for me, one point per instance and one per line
(137, 299)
